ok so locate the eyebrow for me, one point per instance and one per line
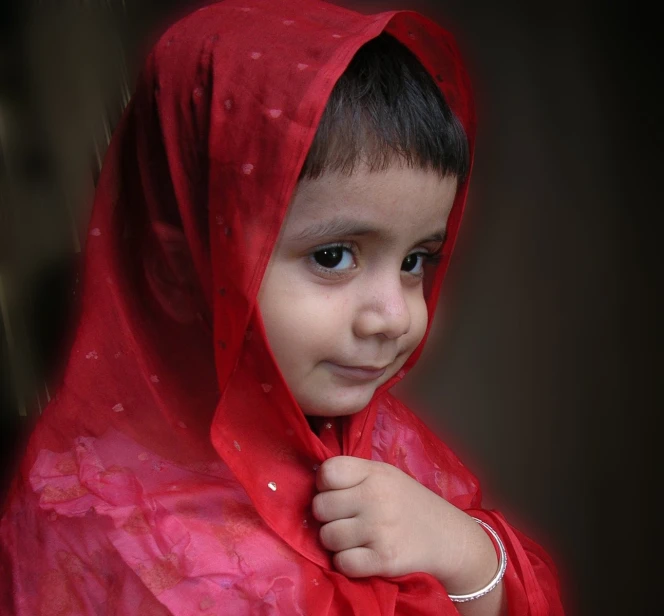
(348, 227)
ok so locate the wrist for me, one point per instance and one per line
(474, 560)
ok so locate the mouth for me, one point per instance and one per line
(358, 373)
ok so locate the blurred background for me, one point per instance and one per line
(544, 372)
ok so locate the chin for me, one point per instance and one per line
(339, 407)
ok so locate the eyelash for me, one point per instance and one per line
(429, 258)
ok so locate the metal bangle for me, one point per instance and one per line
(502, 566)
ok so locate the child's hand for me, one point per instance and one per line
(380, 521)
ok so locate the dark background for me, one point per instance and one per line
(544, 373)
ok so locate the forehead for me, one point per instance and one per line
(398, 201)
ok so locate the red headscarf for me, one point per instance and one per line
(173, 473)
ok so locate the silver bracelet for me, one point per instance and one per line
(502, 566)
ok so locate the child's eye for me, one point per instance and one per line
(336, 258)
(414, 263)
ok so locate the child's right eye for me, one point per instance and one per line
(336, 258)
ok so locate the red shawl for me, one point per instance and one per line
(145, 487)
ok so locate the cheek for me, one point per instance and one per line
(419, 318)
(301, 320)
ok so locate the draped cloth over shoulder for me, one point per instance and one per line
(173, 472)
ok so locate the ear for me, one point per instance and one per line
(170, 273)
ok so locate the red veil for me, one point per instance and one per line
(173, 473)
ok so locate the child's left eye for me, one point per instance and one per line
(414, 263)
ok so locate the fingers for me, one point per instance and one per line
(358, 562)
(335, 505)
(343, 534)
(342, 472)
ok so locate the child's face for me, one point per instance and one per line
(342, 299)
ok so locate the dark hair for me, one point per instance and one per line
(387, 107)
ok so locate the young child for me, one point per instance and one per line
(269, 237)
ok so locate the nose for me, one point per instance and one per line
(383, 309)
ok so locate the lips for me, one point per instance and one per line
(358, 373)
